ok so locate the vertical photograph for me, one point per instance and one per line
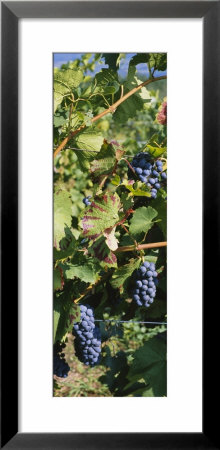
(109, 225)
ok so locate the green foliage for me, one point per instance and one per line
(89, 267)
(142, 220)
(139, 192)
(106, 160)
(156, 151)
(64, 82)
(111, 59)
(122, 273)
(129, 107)
(65, 313)
(62, 215)
(161, 208)
(89, 140)
(83, 268)
(150, 363)
(158, 61)
(57, 279)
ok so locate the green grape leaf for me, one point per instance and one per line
(156, 151)
(89, 140)
(161, 207)
(58, 98)
(68, 246)
(60, 88)
(150, 363)
(59, 120)
(111, 59)
(56, 318)
(86, 272)
(101, 215)
(137, 192)
(142, 220)
(127, 201)
(106, 160)
(58, 255)
(57, 279)
(62, 215)
(65, 314)
(129, 107)
(158, 61)
(64, 81)
(77, 118)
(105, 77)
(104, 163)
(122, 273)
(148, 393)
(139, 58)
(115, 180)
(69, 78)
(116, 376)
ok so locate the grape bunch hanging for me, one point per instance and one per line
(149, 171)
(87, 337)
(145, 282)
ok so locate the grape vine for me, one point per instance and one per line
(110, 196)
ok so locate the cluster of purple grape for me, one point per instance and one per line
(86, 200)
(145, 279)
(60, 366)
(149, 172)
(87, 337)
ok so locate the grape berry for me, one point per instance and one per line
(86, 201)
(87, 337)
(148, 171)
(145, 279)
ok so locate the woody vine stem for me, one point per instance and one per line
(130, 248)
(111, 109)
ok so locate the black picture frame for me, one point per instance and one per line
(11, 12)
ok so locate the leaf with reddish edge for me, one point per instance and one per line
(102, 252)
(101, 215)
(58, 281)
(111, 240)
(74, 315)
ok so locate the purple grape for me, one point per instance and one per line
(87, 337)
(145, 282)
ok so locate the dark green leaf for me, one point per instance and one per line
(122, 273)
(142, 220)
(57, 279)
(62, 215)
(150, 363)
(111, 60)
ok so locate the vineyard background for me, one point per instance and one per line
(133, 354)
